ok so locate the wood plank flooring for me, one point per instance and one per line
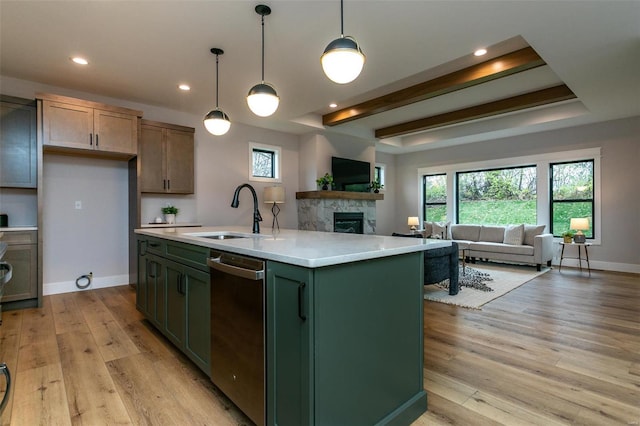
(562, 349)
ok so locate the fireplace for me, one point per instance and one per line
(348, 222)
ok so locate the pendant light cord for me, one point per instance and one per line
(217, 90)
(263, 48)
(341, 18)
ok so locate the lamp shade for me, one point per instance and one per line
(217, 122)
(263, 100)
(274, 194)
(413, 221)
(342, 60)
(579, 224)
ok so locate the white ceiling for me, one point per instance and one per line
(141, 50)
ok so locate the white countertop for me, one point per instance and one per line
(303, 248)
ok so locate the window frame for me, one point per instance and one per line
(381, 168)
(277, 163)
(586, 200)
(424, 194)
(542, 162)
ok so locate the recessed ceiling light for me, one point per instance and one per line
(480, 52)
(184, 87)
(333, 105)
(80, 61)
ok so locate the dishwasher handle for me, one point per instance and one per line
(250, 274)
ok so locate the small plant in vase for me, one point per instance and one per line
(170, 213)
(376, 186)
(567, 236)
(325, 181)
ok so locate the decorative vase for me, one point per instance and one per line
(376, 191)
(170, 218)
(567, 239)
(325, 187)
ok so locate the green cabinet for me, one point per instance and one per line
(345, 343)
(173, 292)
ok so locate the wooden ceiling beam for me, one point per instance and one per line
(502, 106)
(502, 66)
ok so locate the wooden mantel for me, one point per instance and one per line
(338, 195)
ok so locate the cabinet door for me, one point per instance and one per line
(18, 150)
(67, 125)
(151, 158)
(115, 132)
(179, 161)
(289, 344)
(176, 309)
(141, 281)
(156, 297)
(24, 283)
(198, 342)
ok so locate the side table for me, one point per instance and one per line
(580, 246)
(463, 248)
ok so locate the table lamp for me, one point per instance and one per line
(579, 224)
(413, 222)
(275, 195)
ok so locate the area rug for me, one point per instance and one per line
(482, 283)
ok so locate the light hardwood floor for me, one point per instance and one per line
(561, 349)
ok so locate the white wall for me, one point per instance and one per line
(620, 146)
(386, 209)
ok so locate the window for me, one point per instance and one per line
(497, 197)
(571, 186)
(378, 173)
(543, 203)
(264, 163)
(435, 197)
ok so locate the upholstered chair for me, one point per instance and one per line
(440, 264)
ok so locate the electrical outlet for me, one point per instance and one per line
(78, 205)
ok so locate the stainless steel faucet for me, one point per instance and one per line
(257, 217)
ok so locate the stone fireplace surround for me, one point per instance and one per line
(316, 208)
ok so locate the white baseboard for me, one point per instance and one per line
(597, 264)
(96, 282)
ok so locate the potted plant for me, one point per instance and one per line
(325, 181)
(567, 236)
(170, 213)
(376, 186)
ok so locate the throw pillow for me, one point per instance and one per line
(440, 230)
(514, 235)
(530, 232)
(427, 229)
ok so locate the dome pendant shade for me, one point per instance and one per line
(342, 60)
(217, 122)
(263, 100)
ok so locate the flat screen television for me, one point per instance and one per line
(350, 175)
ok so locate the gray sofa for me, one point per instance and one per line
(519, 244)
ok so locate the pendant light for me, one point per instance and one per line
(262, 98)
(342, 60)
(217, 122)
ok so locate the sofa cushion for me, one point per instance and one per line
(492, 234)
(530, 232)
(501, 248)
(514, 235)
(465, 232)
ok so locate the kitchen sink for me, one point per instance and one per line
(223, 236)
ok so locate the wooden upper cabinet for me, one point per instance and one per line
(74, 124)
(166, 158)
(18, 143)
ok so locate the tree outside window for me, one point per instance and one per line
(263, 163)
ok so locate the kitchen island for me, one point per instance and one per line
(343, 332)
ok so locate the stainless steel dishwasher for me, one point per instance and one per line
(238, 331)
